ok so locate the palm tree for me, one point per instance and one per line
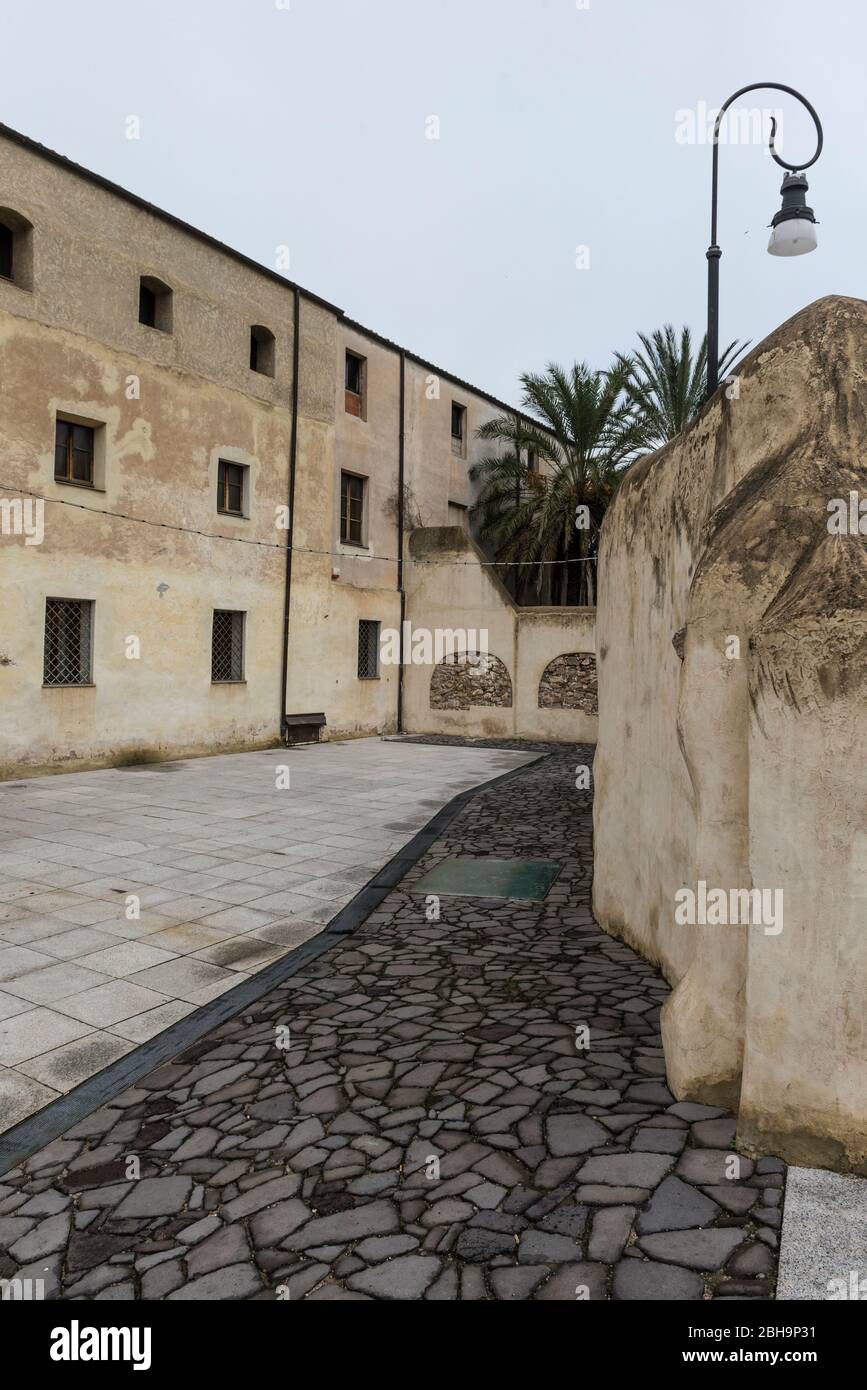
(667, 384)
(536, 519)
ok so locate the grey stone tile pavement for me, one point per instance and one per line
(130, 897)
(471, 1106)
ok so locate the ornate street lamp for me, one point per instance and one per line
(793, 229)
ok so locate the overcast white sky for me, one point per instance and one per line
(304, 122)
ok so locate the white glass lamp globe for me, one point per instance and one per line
(794, 237)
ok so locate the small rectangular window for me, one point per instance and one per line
(7, 240)
(354, 382)
(155, 304)
(532, 461)
(230, 487)
(227, 646)
(68, 633)
(459, 427)
(351, 509)
(73, 453)
(262, 353)
(368, 650)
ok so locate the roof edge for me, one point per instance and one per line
(52, 156)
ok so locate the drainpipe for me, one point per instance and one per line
(400, 532)
(293, 457)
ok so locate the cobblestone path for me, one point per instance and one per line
(432, 1130)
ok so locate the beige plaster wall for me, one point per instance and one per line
(739, 771)
(70, 341)
(448, 587)
(161, 459)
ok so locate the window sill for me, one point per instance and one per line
(83, 685)
(239, 516)
(219, 683)
(368, 679)
(355, 549)
(16, 284)
(74, 482)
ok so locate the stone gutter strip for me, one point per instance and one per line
(24, 1139)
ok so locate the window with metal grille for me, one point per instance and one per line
(354, 383)
(368, 650)
(227, 646)
(73, 452)
(230, 487)
(6, 243)
(351, 509)
(68, 641)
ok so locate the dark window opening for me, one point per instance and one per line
(532, 461)
(230, 487)
(68, 633)
(262, 350)
(73, 453)
(16, 248)
(351, 509)
(227, 646)
(7, 241)
(147, 306)
(368, 650)
(354, 383)
(155, 304)
(459, 422)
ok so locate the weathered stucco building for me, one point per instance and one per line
(209, 475)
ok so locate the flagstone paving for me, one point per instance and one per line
(129, 897)
(472, 1107)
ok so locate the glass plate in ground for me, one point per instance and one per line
(462, 877)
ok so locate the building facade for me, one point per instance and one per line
(208, 479)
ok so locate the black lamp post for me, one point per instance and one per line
(793, 227)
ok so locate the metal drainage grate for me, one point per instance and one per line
(460, 877)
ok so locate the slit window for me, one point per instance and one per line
(68, 641)
(73, 453)
(368, 650)
(227, 646)
(351, 509)
(231, 481)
